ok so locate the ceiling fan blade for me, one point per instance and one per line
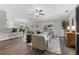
(42, 14)
(32, 13)
(40, 10)
(36, 10)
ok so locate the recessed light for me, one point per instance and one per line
(66, 10)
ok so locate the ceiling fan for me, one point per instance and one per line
(37, 12)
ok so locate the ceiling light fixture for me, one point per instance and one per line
(66, 11)
(37, 12)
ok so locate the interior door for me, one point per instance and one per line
(77, 27)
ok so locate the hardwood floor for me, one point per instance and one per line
(65, 49)
(18, 46)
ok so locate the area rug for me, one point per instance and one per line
(53, 45)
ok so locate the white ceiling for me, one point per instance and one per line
(22, 11)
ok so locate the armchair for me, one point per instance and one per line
(39, 42)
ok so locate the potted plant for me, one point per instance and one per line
(64, 25)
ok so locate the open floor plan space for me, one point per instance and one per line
(39, 29)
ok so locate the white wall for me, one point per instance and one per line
(72, 16)
(3, 20)
(57, 25)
